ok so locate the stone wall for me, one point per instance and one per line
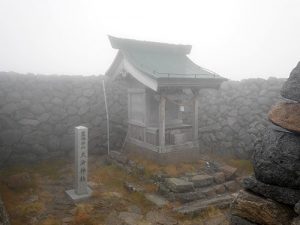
(38, 115)
(233, 119)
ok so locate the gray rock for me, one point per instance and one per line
(44, 117)
(37, 109)
(179, 185)
(82, 101)
(30, 122)
(10, 137)
(277, 160)
(9, 108)
(236, 220)
(34, 138)
(280, 194)
(72, 110)
(188, 196)
(57, 101)
(156, 199)
(261, 210)
(67, 143)
(83, 109)
(39, 149)
(53, 143)
(202, 180)
(291, 88)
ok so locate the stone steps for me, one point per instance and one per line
(190, 192)
(198, 206)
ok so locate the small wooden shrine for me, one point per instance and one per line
(158, 77)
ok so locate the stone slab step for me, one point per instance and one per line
(179, 185)
(191, 208)
(156, 199)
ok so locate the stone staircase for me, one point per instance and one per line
(199, 191)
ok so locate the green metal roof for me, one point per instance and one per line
(161, 65)
(161, 60)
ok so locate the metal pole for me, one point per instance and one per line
(107, 117)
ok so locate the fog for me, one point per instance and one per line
(237, 39)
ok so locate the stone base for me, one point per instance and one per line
(76, 197)
(183, 154)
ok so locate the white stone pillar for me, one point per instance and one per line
(81, 165)
(81, 160)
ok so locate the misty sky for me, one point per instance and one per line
(235, 38)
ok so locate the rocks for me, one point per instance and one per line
(4, 218)
(10, 137)
(219, 177)
(290, 89)
(179, 185)
(156, 199)
(277, 161)
(132, 187)
(281, 194)
(286, 115)
(260, 210)
(199, 206)
(232, 186)
(202, 180)
(228, 171)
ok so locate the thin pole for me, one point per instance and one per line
(107, 117)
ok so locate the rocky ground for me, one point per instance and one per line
(35, 194)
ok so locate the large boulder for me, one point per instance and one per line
(277, 160)
(260, 210)
(281, 194)
(286, 115)
(291, 88)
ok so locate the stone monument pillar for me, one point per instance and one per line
(81, 165)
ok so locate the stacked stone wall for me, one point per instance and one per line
(38, 114)
(233, 119)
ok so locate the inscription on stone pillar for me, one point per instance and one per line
(81, 160)
(81, 189)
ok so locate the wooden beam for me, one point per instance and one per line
(195, 118)
(162, 122)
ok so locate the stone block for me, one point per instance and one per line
(290, 88)
(209, 192)
(179, 185)
(219, 177)
(10, 137)
(202, 180)
(277, 160)
(228, 171)
(220, 189)
(232, 186)
(261, 210)
(29, 122)
(286, 115)
(284, 195)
